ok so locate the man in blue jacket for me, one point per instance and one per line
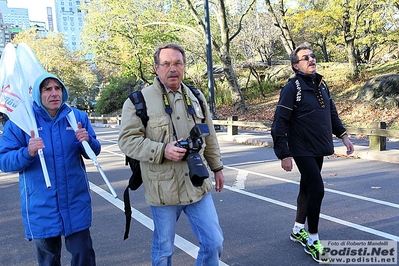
(304, 122)
(65, 208)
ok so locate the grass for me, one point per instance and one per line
(353, 112)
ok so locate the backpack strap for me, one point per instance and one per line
(128, 212)
(135, 180)
(197, 95)
(141, 108)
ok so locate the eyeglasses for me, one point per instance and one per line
(306, 57)
(169, 64)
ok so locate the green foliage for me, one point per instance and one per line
(221, 90)
(222, 93)
(80, 80)
(371, 25)
(124, 35)
(115, 94)
(254, 91)
(390, 67)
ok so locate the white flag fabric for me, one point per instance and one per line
(19, 69)
(31, 67)
(15, 100)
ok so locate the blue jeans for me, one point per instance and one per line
(204, 223)
(78, 244)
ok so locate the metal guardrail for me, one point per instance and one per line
(105, 119)
(377, 132)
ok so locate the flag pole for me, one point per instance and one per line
(44, 168)
(15, 100)
(72, 121)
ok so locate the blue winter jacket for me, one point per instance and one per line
(65, 208)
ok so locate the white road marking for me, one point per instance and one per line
(238, 187)
(327, 217)
(390, 204)
(180, 242)
(240, 179)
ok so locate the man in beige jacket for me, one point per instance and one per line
(173, 111)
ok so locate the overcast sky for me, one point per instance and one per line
(37, 8)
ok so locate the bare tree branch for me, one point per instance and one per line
(241, 18)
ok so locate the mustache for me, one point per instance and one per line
(172, 75)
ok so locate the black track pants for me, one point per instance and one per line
(311, 191)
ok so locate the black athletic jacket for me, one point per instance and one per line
(305, 120)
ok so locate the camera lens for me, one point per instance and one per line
(197, 170)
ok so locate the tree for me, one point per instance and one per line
(258, 43)
(258, 39)
(378, 31)
(115, 94)
(221, 46)
(124, 35)
(115, 34)
(55, 58)
(302, 20)
(362, 27)
(279, 20)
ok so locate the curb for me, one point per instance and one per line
(264, 139)
(361, 152)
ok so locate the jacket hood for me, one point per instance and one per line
(36, 89)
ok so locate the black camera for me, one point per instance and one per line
(197, 168)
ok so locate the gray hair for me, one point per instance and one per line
(294, 54)
(46, 81)
(169, 46)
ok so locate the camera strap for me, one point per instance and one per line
(189, 106)
(169, 110)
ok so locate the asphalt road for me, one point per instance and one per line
(256, 210)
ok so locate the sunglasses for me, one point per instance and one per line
(306, 57)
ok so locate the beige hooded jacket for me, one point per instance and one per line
(167, 182)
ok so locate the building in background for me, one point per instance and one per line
(12, 21)
(40, 28)
(5, 34)
(15, 17)
(69, 19)
(50, 20)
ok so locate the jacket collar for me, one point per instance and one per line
(315, 78)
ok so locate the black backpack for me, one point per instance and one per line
(135, 179)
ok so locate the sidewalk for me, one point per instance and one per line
(391, 155)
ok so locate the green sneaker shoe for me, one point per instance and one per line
(302, 237)
(317, 252)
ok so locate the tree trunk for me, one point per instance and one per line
(224, 54)
(350, 46)
(236, 95)
(350, 50)
(223, 50)
(286, 38)
(325, 52)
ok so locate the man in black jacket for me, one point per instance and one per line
(304, 121)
